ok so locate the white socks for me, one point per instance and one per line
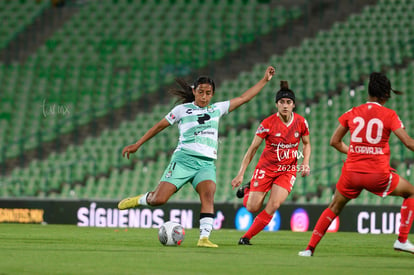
(143, 199)
(206, 225)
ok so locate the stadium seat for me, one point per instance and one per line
(346, 50)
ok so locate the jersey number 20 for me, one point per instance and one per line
(355, 137)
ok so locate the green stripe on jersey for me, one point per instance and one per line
(198, 127)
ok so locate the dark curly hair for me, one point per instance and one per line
(380, 86)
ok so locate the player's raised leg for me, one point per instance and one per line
(159, 196)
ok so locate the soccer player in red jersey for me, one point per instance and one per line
(277, 166)
(368, 161)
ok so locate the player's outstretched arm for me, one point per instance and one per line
(253, 91)
(158, 127)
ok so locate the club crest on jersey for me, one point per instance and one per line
(278, 134)
(296, 134)
(210, 109)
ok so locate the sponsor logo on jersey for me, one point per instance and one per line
(283, 151)
(285, 145)
(204, 133)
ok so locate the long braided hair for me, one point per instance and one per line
(380, 86)
(186, 94)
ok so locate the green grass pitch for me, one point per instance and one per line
(64, 249)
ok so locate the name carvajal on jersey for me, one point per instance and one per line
(367, 150)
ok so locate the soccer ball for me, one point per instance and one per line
(171, 233)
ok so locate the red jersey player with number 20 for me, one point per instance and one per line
(368, 161)
(277, 166)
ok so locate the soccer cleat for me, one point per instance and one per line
(405, 247)
(242, 188)
(205, 242)
(305, 253)
(244, 241)
(129, 202)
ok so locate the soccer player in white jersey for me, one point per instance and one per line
(193, 160)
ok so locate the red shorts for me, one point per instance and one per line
(351, 183)
(263, 180)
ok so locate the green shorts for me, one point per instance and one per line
(185, 168)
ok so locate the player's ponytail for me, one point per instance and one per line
(186, 95)
(284, 85)
(285, 92)
(380, 86)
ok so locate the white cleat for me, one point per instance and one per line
(405, 247)
(305, 253)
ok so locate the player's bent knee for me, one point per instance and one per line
(274, 206)
(252, 208)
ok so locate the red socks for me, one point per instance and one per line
(321, 226)
(407, 215)
(259, 223)
(246, 196)
(327, 216)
